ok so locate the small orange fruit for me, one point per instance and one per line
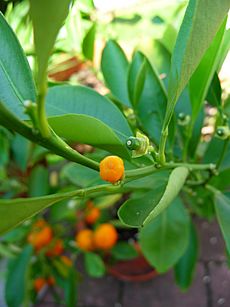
(105, 236)
(40, 236)
(92, 213)
(51, 281)
(84, 239)
(66, 260)
(39, 283)
(56, 249)
(112, 169)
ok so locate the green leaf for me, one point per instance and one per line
(212, 154)
(39, 181)
(19, 210)
(47, 17)
(176, 181)
(151, 105)
(135, 210)
(17, 278)
(214, 92)
(184, 269)
(88, 43)
(94, 265)
(114, 65)
(221, 181)
(21, 151)
(124, 251)
(70, 288)
(224, 49)
(169, 38)
(88, 118)
(79, 175)
(195, 36)
(164, 240)
(222, 206)
(15, 87)
(136, 77)
(202, 77)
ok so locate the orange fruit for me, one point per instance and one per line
(39, 283)
(92, 213)
(66, 260)
(84, 240)
(56, 249)
(105, 236)
(41, 235)
(112, 169)
(51, 281)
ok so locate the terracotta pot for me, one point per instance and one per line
(137, 269)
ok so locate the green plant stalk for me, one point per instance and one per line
(54, 143)
(164, 131)
(42, 118)
(148, 170)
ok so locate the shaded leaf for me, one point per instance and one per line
(15, 87)
(17, 278)
(164, 240)
(88, 43)
(184, 269)
(94, 265)
(114, 65)
(47, 17)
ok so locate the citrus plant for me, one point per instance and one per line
(148, 131)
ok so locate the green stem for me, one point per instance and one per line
(54, 143)
(187, 141)
(42, 118)
(164, 135)
(148, 170)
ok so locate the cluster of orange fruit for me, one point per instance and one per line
(103, 238)
(41, 236)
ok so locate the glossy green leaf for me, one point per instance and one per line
(135, 210)
(202, 77)
(47, 17)
(124, 251)
(136, 77)
(195, 36)
(212, 154)
(39, 181)
(164, 240)
(80, 114)
(88, 43)
(151, 105)
(221, 181)
(224, 49)
(214, 92)
(175, 183)
(94, 265)
(114, 65)
(15, 87)
(222, 206)
(17, 279)
(185, 267)
(19, 210)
